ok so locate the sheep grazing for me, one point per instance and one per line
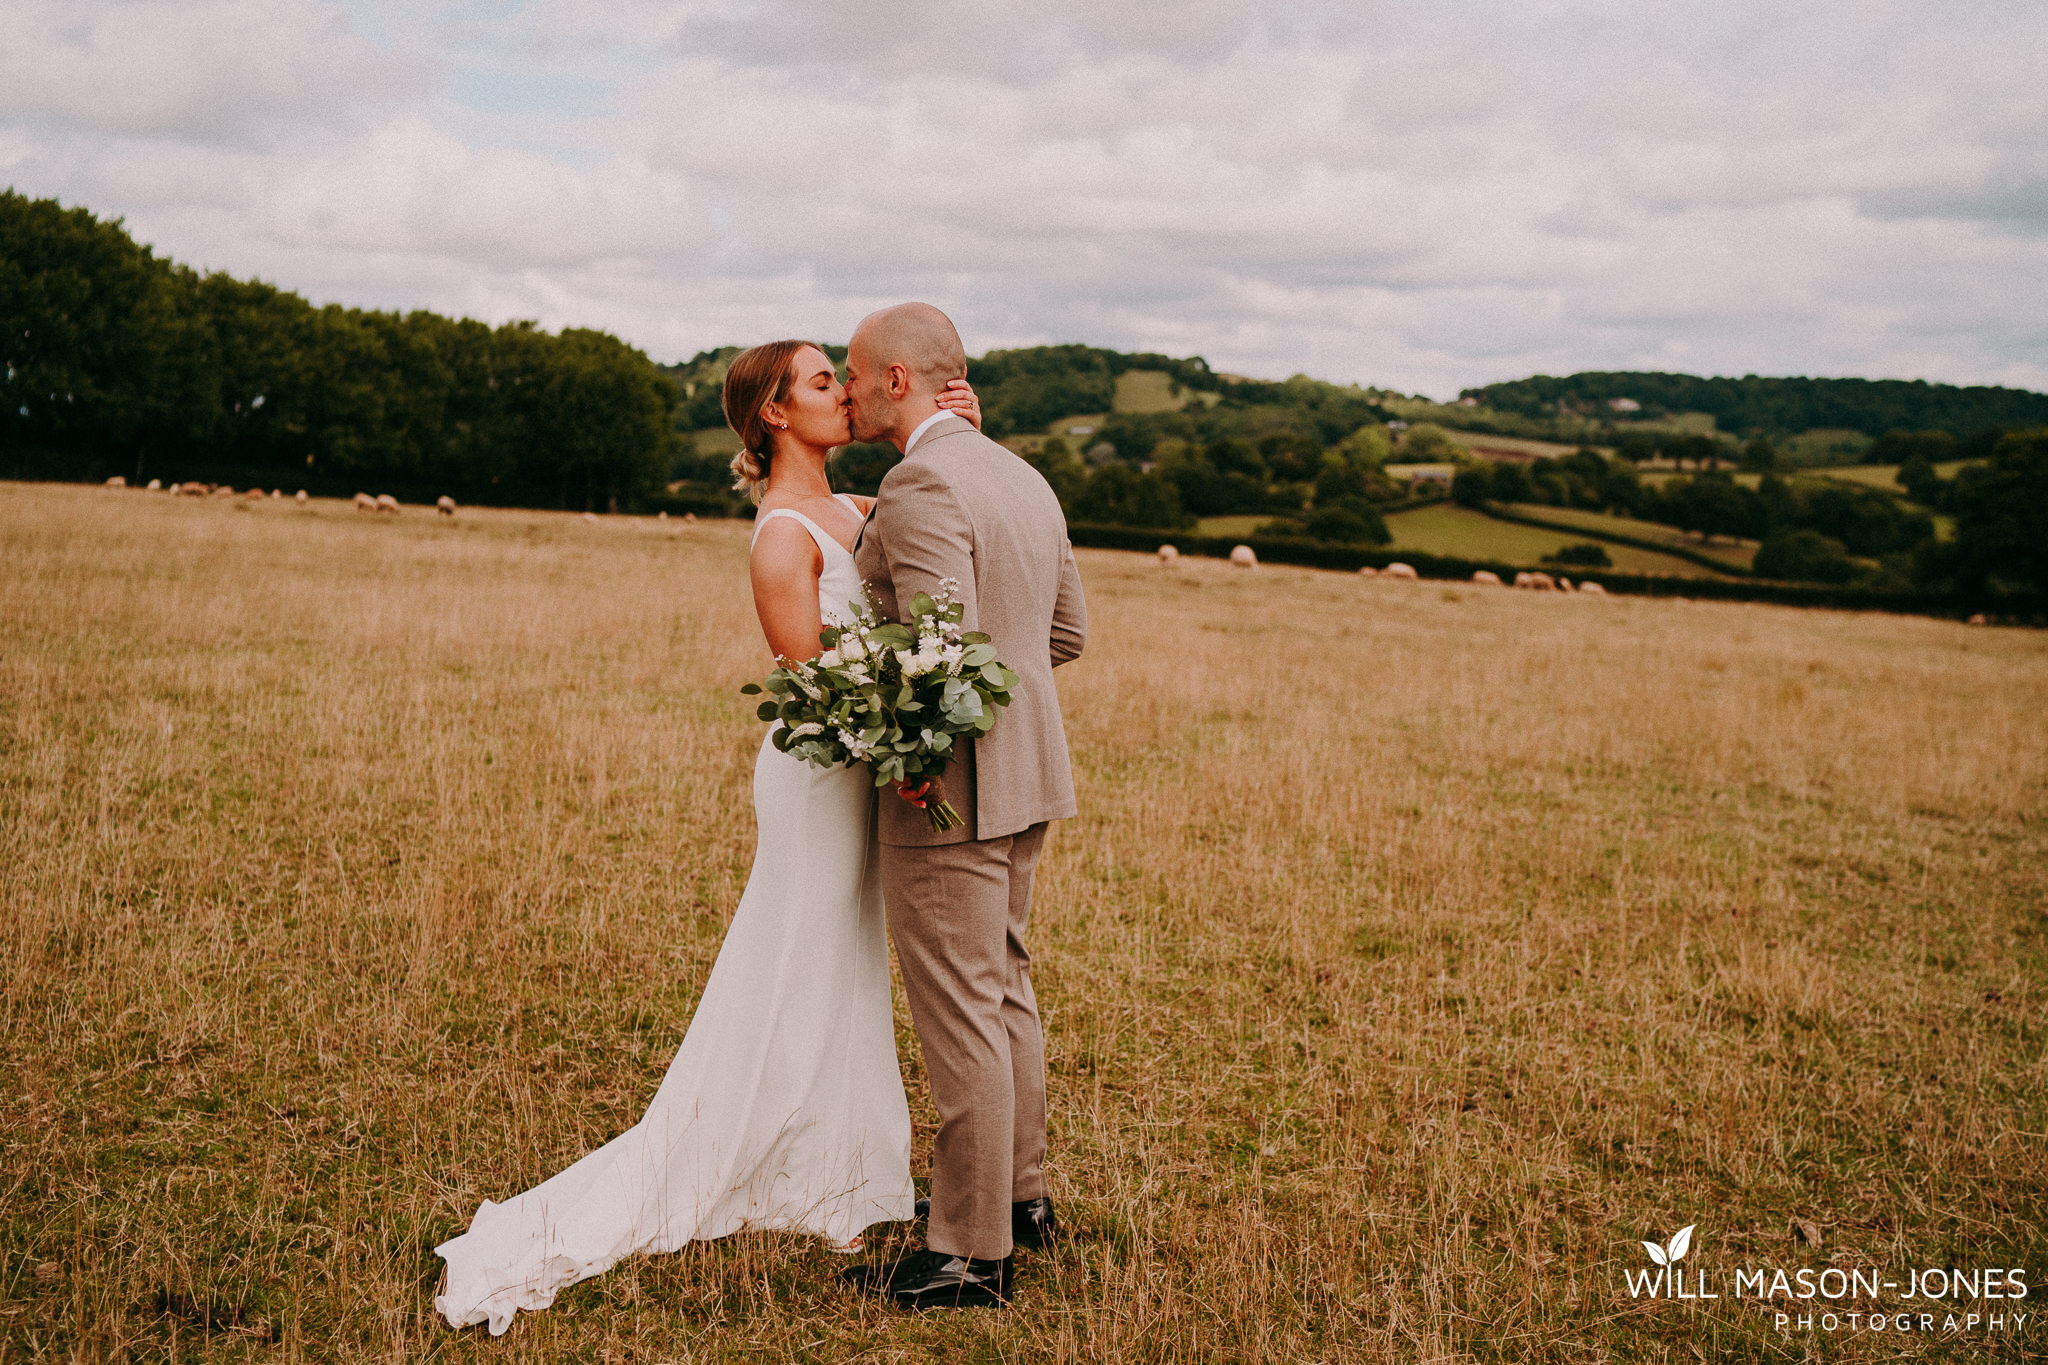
(1398, 570)
(1368, 571)
(445, 505)
(1594, 588)
(661, 516)
(277, 492)
(117, 482)
(387, 503)
(1168, 554)
(365, 503)
(301, 498)
(590, 517)
(1242, 557)
(192, 490)
(1487, 577)
(1977, 620)
(226, 490)
(1536, 582)
(155, 485)
(1564, 584)
(254, 495)
(689, 516)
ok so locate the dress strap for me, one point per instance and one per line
(851, 505)
(825, 542)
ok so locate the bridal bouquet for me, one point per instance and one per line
(893, 697)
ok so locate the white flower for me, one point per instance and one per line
(829, 659)
(857, 672)
(950, 656)
(852, 647)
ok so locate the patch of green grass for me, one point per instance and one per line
(1140, 391)
(1231, 526)
(1823, 446)
(1738, 553)
(1448, 529)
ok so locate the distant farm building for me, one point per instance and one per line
(1624, 405)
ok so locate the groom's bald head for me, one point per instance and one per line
(896, 364)
(916, 336)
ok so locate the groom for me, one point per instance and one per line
(962, 508)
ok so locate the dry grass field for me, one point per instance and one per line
(1420, 950)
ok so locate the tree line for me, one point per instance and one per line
(1754, 405)
(117, 361)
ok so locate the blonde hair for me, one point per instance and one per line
(758, 375)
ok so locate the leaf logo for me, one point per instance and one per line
(1671, 1255)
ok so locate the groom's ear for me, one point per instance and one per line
(899, 381)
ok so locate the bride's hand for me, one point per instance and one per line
(958, 396)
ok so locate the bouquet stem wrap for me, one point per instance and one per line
(891, 697)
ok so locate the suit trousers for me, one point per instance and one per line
(957, 914)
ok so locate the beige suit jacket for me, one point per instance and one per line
(961, 506)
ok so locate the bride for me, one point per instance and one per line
(784, 1107)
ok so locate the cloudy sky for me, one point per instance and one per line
(1417, 195)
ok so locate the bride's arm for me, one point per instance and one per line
(784, 568)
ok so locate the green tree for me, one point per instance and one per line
(1351, 521)
(1426, 443)
(1804, 556)
(2001, 511)
(1118, 495)
(1473, 483)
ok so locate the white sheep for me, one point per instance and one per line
(445, 505)
(387, 503)
(365, 503)
(1368, 571)
(1398, 570)
(1593, 588)
(301, 497)
(155, 485)
(1536, 582)
(1487, 577)
(1242, 557)
(1168, 554)
(117, 482)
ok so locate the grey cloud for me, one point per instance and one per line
(214, 71)
(1397, 193)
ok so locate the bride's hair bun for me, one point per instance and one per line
(756, 376)
(749, 470)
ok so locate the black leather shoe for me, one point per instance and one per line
(1031, 1220)
(877, 1277)
(933, 1279)
(1032, 1223)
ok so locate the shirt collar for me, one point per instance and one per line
(939, 416)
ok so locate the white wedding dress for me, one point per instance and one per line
(783, 1108)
